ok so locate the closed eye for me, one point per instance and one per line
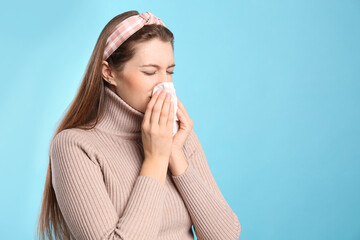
(154, 73)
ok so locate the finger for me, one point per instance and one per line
(150, 106)
(157, 108)
(165, 110)
(180, 105)
(182, 108)
(171, 114)
(183, 119)
(181, 115)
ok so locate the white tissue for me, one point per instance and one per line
(169, 87)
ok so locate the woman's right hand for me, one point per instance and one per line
(157, 127)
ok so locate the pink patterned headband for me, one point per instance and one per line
(126, 28)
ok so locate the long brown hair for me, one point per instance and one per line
(85, 110)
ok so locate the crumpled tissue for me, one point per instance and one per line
(169, 87)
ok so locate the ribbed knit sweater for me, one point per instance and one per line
(95, 176)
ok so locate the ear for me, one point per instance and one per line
(107, 73)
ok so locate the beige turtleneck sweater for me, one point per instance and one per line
(95, 175)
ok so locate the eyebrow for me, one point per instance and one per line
(154, 65)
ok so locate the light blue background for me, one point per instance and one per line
(273, 88)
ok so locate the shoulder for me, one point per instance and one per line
(67, 136)
(70, 142)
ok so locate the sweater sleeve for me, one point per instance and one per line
(211, 215)
(82, 197)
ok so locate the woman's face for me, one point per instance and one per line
(152, 63)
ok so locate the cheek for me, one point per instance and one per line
(141, 85)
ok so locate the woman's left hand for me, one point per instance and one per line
(185, 127)
(178, 162)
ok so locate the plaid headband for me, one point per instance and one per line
(126, 28)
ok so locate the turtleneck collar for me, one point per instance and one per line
(119, 117)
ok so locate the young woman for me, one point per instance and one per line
(115, 169)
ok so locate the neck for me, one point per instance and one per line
(119, 118)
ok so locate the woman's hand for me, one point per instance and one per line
(157, 128)
(178, 163)
(185, 127)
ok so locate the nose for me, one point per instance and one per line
(165, 77)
